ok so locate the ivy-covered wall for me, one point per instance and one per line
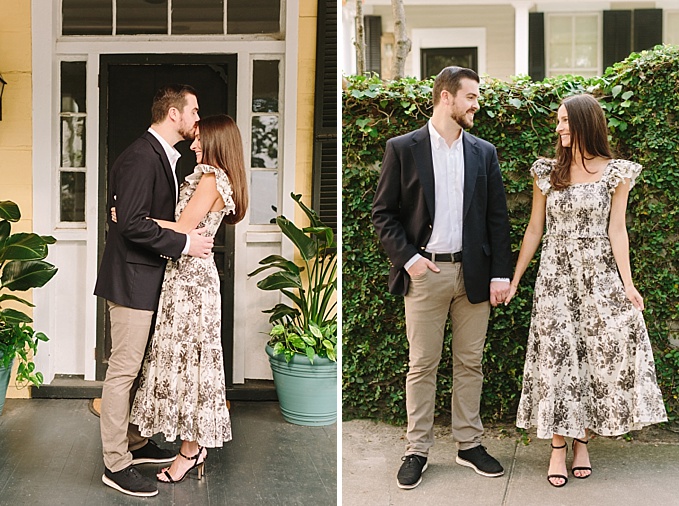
(641, 99)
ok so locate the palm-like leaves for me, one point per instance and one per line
(310, 328)
(22, 267)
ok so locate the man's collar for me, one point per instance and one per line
(438, 141)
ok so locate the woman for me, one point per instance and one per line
(589, 364)
(182, 390)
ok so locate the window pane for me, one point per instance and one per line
(585, 55)
(253, 16)
(87, 17)
(141, 16)
(72, 196)
(73, 141)
(265, 142)
(265, 86)
(197, 16)
(560, 56)
(73, 83)
(586, 29)
(561, 29)
(263, 195)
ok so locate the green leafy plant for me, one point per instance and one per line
(22, 267)
(310, 326)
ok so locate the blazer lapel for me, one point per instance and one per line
(167, 169)
(421, 150)
(471, 169)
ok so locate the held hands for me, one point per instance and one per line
(498, 292)
(421, 266)
(512, 291)
(200, 246)
(634, 297)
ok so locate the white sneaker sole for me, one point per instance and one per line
(113, 484)
(136, 462)
(466, 463)
(408, 487)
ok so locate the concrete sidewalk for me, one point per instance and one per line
(644, 471)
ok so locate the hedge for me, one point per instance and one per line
(640, 96)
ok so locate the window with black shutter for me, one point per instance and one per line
(373, 43)
(324, 194)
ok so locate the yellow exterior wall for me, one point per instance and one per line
(15, 128)
(306, 80)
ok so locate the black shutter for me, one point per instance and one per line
(536, 45)
(373, 43)
(617, 36)
(324, 193)
(647, 28)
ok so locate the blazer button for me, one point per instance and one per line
(422, 247)
(431, 226)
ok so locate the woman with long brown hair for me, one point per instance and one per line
(182, 389)
(589, 365)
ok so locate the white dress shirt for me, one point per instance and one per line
(173, 156)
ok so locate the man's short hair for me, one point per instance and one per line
(449, 79)
(171, 95)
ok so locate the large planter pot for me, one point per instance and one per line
(307, 393)
(5, 373)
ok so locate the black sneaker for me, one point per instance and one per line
(150, 453)
(129, 481)
(478, 459)
(410, 474)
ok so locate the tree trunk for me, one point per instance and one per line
(401, 39)
(360, 39)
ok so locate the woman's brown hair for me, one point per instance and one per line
(222, 147)
(589, 133)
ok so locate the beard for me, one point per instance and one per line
(188, 134)
(461, 119)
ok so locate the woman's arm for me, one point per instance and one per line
(531, 238)
(617, 233)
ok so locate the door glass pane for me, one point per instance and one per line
(72, 185)
(263, 195)
(141, 16)
(433, 60)
(73, 82)
(253, 16)
(197, 16)
(264, 142)
(87, 17)
(265, 86)
(73, 141)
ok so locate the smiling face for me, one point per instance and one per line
(196, 147)
(464, 104)
(562, 127)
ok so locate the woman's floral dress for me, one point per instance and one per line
(589, 363)
(182, 390)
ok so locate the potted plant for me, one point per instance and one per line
(302, 347)
(21, 267)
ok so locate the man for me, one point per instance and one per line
(142, 184)
(441, 215)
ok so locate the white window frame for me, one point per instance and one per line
(599, 51)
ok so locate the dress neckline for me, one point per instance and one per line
(601, 178)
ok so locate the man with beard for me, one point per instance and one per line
(142, 184)
(441, 214)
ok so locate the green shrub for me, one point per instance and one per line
(640, 96)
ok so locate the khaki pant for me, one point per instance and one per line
(431, 297)
(129, 335)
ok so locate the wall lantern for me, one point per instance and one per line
(2, 88)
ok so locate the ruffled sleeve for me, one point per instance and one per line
(541, 169)
(223, 185)
(619, 171)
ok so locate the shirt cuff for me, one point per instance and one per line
(410, 262)
(185, 251)
(506, 280)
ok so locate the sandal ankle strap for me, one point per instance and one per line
(558, 447)
(581, 441)
(195, 457)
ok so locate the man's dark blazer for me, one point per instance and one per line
(403, 211)
(140, 185)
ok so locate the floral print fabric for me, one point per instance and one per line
(589, 363)
(182, 390)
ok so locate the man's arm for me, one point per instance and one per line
(498, 223)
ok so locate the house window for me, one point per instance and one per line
(72, 170)
(572, 44)
(672, 28)
(434, 60)
(264, 152)
(170, 17)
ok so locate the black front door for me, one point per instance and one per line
(127, 85)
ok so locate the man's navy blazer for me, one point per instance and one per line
(403, 211)
(140, 185)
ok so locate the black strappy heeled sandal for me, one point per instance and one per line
(564, 478)
(580, 468)
(197, 465)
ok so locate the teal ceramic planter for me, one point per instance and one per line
(307, 393)
(5, 373)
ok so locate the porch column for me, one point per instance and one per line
(521, 36)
